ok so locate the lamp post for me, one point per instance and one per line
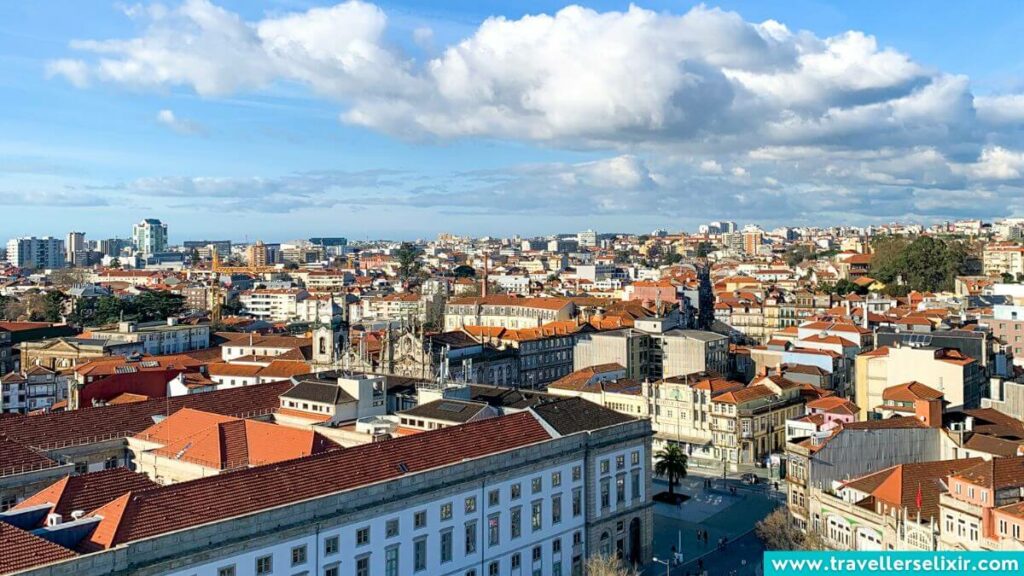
(668, 565)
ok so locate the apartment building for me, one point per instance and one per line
(959, 378)
(273, 305)
(31, 252)
(6, 351)
(750, 423)
(506, 311)
(149, 237)
(999, 258)
(654, 349)
(167, 337)
(36, 388)
(537, 491)
(982, 508)
(545, 354)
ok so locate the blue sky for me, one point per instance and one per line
(422, 120)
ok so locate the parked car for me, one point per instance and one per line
(750, 478)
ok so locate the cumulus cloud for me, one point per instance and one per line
(180, 125)
(687, 106)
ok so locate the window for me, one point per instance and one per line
(556, 546)
(446, 511)
(536, 484)
(577, 502)
(492, 569)
(620, 489)
(419, 554)
(556, 479)
(556, 508)
(391, 528)
(446, 546)
(577, 473)
(470, 504)
(538, 554)
(493, 498)
(331, 545)
(470, 572)
(516, 561)
(226, 571)
(620, 460)
(332, 571)
(362, 536)
(635, 458)
(81, 467)
(391, 561)
(470, 537)
(516, 522)
(605, 492)
(536, 520)
(515, 491)
(605, 466)
(634, 483)
(264, 565)
(419, 520)
(493, 529)
(363, 566)
(299, 555)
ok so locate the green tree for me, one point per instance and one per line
(798, 254)
(53, 306)
(408, 260)
(703, 249)
(924, 264)
(115, 263)
(464, 272)
(671, 462)
(157, 305)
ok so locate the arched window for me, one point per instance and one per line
(606, 544)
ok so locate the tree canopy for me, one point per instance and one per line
(924, 264)
(408, 260)
(671, 462)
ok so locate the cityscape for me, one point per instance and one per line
(498, 290)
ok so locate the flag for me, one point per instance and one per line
(917, 498)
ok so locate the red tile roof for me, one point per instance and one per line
(20, 550)
(898, 486)
(87, 492)
(16, 459)
(91, 424)
(148, 513)
(909, 392)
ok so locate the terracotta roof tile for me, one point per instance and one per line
(20, 550)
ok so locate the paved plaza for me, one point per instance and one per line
(723, 515)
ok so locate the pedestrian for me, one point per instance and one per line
(700, 565)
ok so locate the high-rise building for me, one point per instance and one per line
(256, 254)
(587, 238)
(75, 243)
(112, 246)
(149, 236)
(32, 252)
(752, 240)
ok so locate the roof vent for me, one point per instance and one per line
(403, 468)
(77, 514)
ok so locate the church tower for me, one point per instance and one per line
(323, 343)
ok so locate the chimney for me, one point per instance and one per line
(929, 412)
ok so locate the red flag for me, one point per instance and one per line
(917, 498)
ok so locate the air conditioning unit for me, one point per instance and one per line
(54, 519)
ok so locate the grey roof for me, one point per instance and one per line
(572, 415)
(322, 393)
(695, 334)
(448, 410)
(500, 397)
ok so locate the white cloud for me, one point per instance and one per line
(179, 125)
(687, 106)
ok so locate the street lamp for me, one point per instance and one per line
(668, 565)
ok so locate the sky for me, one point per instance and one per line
(246, 120)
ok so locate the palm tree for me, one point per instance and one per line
(672, 463)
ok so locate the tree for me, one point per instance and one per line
(672, 463)
(798, 254)
(925, 264)
(53, 306)
(157, 305)
(601, 565)
(704, 249)
(464, 271)
(408, 260)
(115, 263)
(65, 278)
(778, 532)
